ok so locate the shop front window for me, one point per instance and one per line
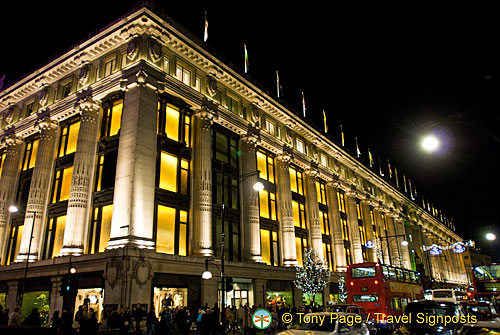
(169, 297)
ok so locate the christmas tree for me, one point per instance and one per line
(313, 275)
(342, 290)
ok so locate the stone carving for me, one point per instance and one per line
(288, 137)
(155, 51)
(142, 77)
(255, 116)
(113, 272)
(44, 95)
(83, 77)
(211, 86)
(142, 271)
(133, 49)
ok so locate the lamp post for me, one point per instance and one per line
(258, 186)
(370, 245)
(15, 209)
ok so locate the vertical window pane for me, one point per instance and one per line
(296, 215)
(293, 180)
(184, 176)
(20, 230)
(72, 137)
(270, 162)
(298, 248)
(299, 183)
(107, 212)
(34, 149)
(261, 165)
(116, 117)
(59, 236)
(275, 249)
(172, 120)
(66, 184)
(165, 230)
(183, 233)
(221, 147)
(168, 172)
(273, 206)
(187, 125)
(264, 204)
(265, 246)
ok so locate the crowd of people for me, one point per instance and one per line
(170, 321)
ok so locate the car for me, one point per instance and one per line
(425, 318)
(371, 323)
(481, 328)
(311, 324)
(484, 311)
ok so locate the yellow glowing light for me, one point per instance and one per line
(430, 143)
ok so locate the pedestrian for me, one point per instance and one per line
(4, 317)
(56, 321)
(33, 319)
(15, 318)
(151, 321)
(138, 315)
(114, 323)
(92, 323)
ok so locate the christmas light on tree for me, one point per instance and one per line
(313, 276)
(342, 290)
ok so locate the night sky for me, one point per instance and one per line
(384, 73)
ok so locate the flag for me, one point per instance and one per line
(357, 148)
(404, 182)
(370, 158)
(247, 65)
(278, 83)
(380, 166)
(411, 192)
(389, 168)
(2, 79)
(342, 135)
(205, 35)
(423, 202)
(324, 121)
(396, 175)
(303, 104)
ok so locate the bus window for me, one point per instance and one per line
(385, 271)
(365, 298)
(363, 272)
(406, 274)
(413, 278)
(396, 303)
(399, 274)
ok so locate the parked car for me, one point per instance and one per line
(309, 325)
(371, 323)
(431, 309)
(481, 328)
(484, 311)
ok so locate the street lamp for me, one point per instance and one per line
(15, 209)
(430, 143)
(490, 236)
(371, 245)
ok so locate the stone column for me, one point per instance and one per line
(12, 287)
(382, 242)
(202, 181)
(285, 212)
(367, 222)
(82, 180)
(209, 289)
(56, 300)
(393, 241)
(134, 193)
(404, 252)
(259, 289)
(250, 216)
(315, 238)
(39, 192)
(8, 187)
(352, 219)
(422, 241)
(336, 229)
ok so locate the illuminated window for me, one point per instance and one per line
(69, 138)
(345, 229)
(265, 165)
(197, 84)
(168, 172)
(3, 155)
(232, 104)
(323, 159)
(300, 248)
(29, 158)
(173, 122)
(62, 184)
(166, 65)
(341, 200)
(30, 109)
(296, 183)
(321, 192)
(325, 228)
(374, 226)
(182, 74)
(15, 237)
(300, 146)
(100, 229)
(109, 67)
(269, 247)
(299, 216)
(267, 205)
(66, 90)
(358, 211)
(187, 130)
(226, 148)
(111, 118)
(271, 127)
(327, 255)
(55, 236)
(172, 231)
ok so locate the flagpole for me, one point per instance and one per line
(205, 34)
(303, 104)
(278, 83)
(247, 65)
(358, 153)
(324, 121)
(342, 135)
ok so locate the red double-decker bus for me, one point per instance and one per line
(487, 283)
(382, 289)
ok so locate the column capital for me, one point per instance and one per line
(286, 155)
(312, 172)
(252, 137)
(88, 104)
(12, 140)
(207, 111)
(45, 123)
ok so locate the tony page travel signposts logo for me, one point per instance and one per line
(261, 319)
